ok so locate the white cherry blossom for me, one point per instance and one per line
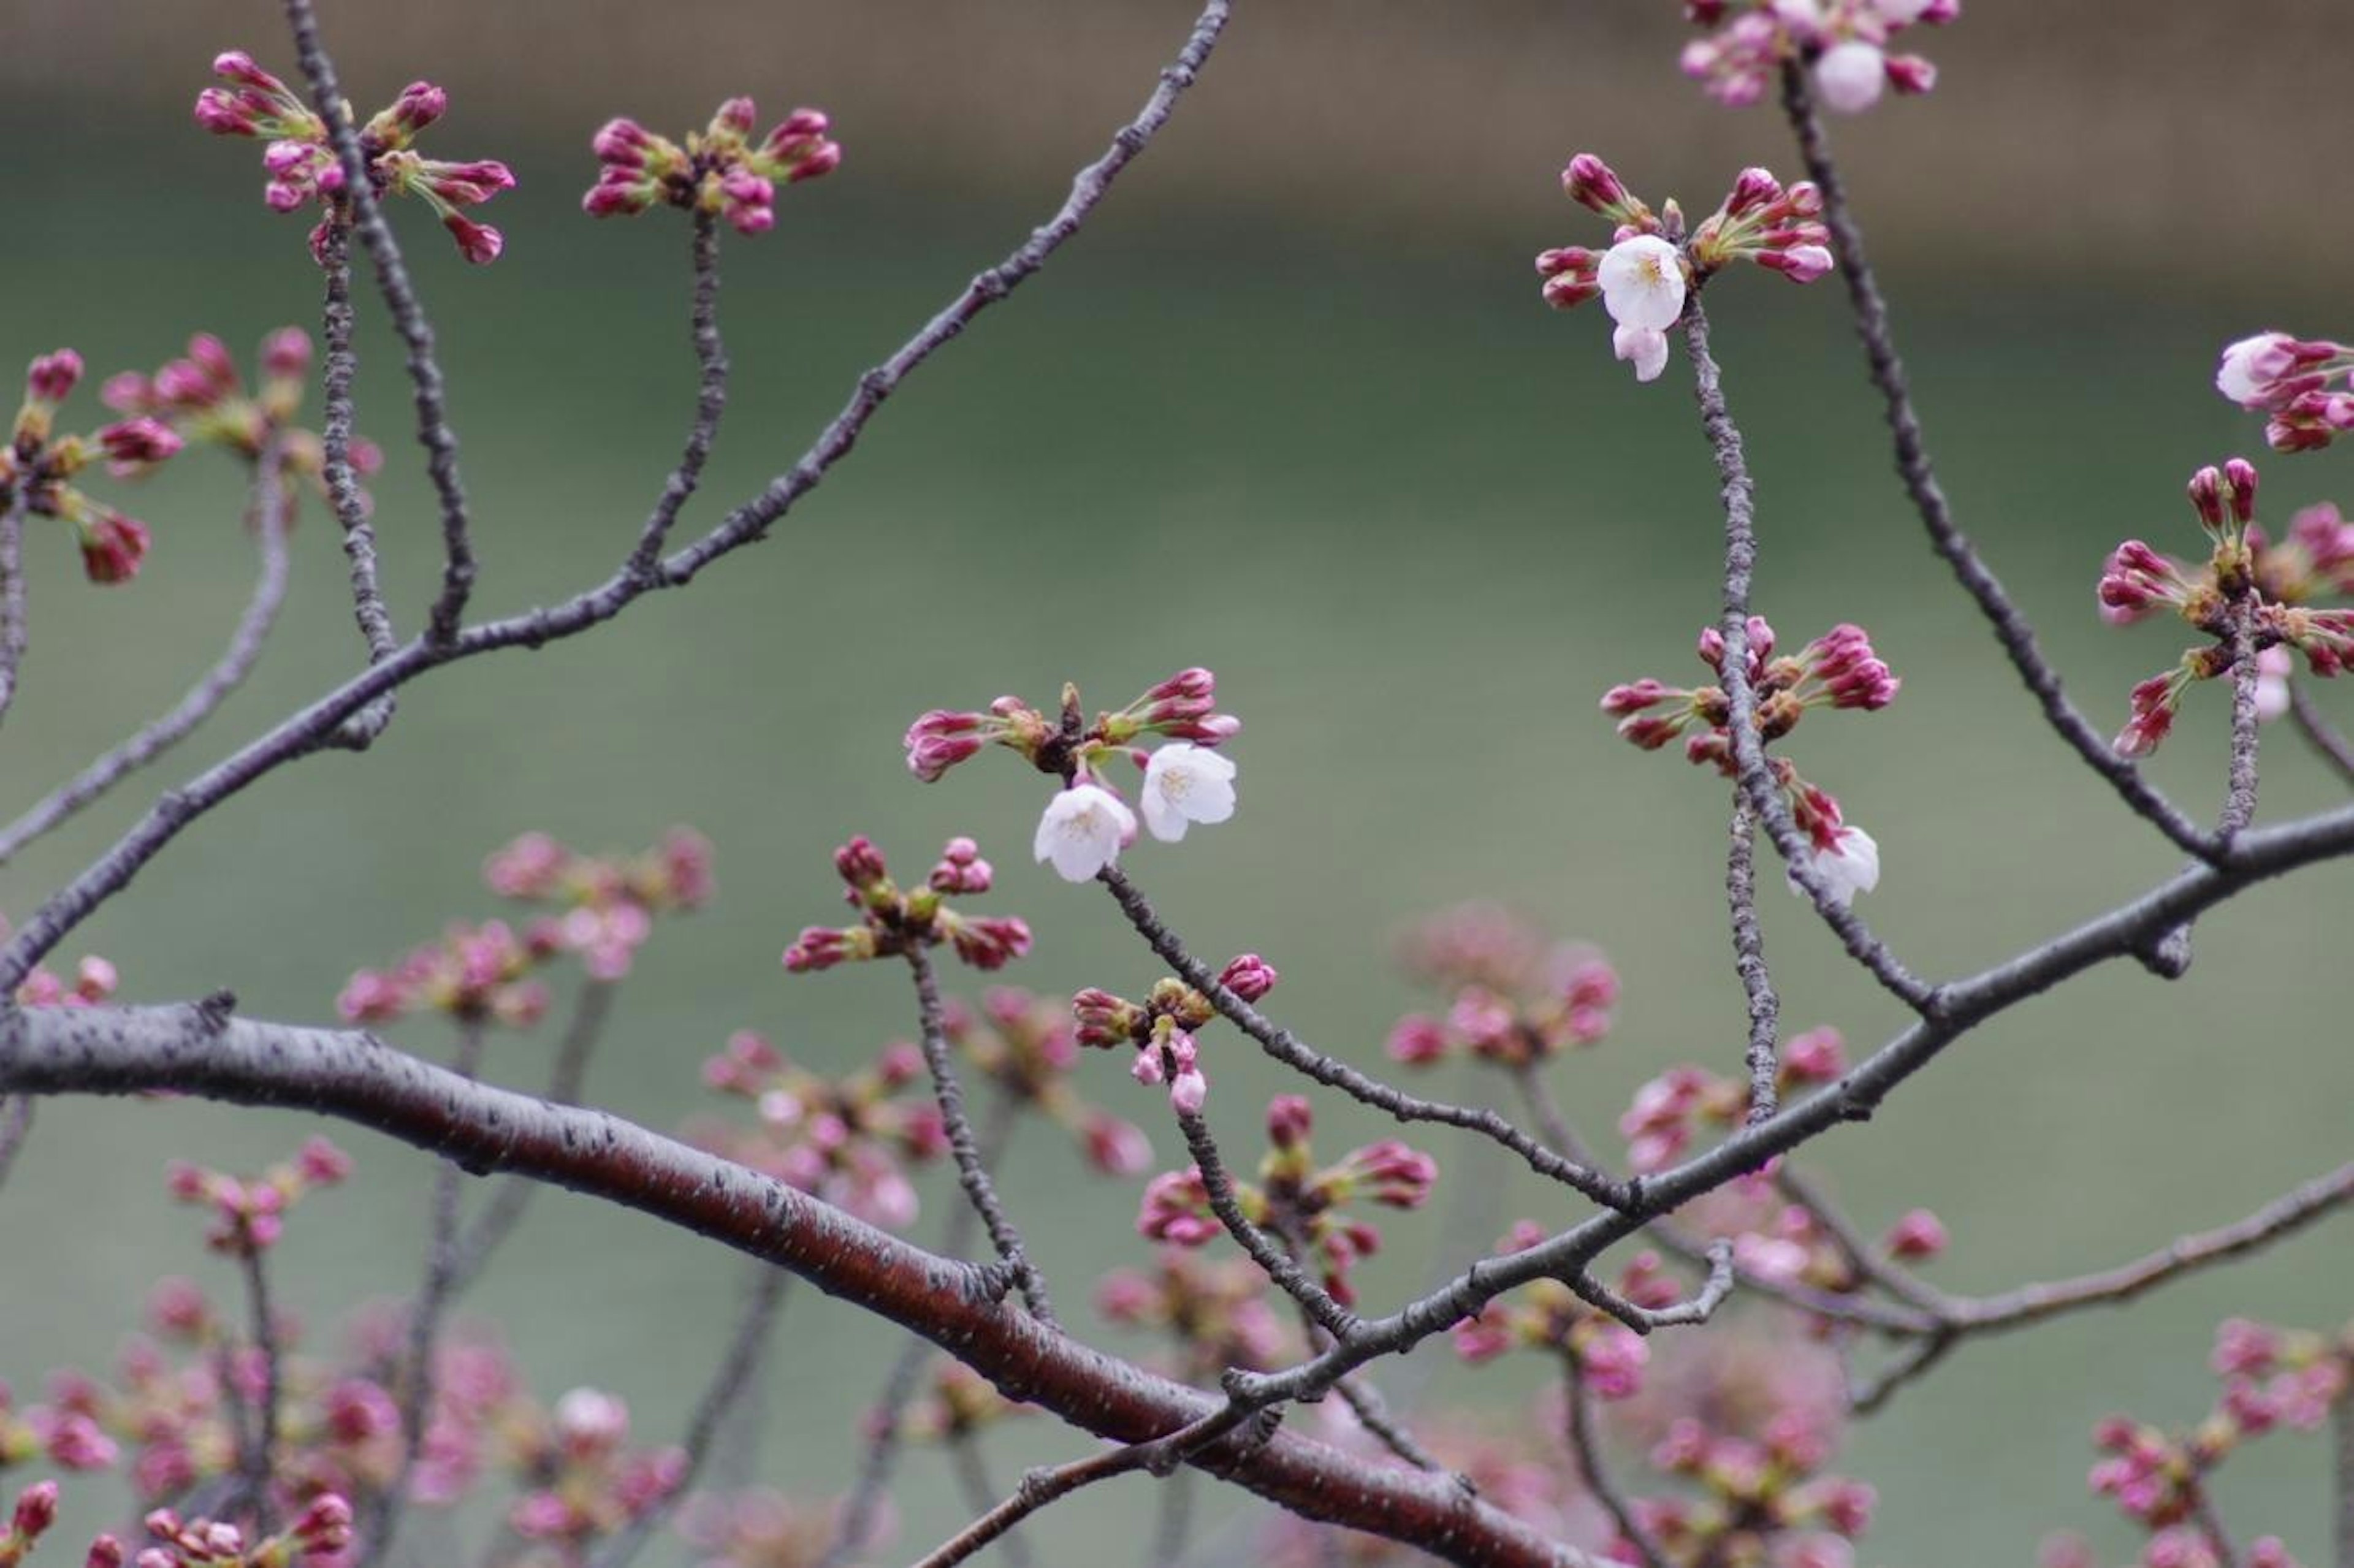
(1646, 348)
(1185, 784)
(1082, 830)
(1850, 75)
(1642, 280)
(1850, 866)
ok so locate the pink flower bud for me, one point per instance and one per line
(1816, 1056)
(324, 1526)
(1249, 977)
(322, 1163)
(2206, 491)
(860, 863)
(1114, 1146)
(1417, 1041)
(51, 377)
(36, 1510)
(135, 445)
(1592, 184)
(104, 1552)
(1289, 1119)
(991, 943)
(1392, 1174)
(1613, 1360)
(1919, 1234)
(477, 242)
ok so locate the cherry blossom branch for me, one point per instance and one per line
(425, 1312)
(1577, 1421)
(1296, 1054)
(731, 1381)
(12, 618)
(309, 728)
(972, 1170)
(1274, 1258)
(2240, 794)
(2319, 733)
(590, 1008)
(1749, 962)
(2010, 627)
(344, 494)
(203, 698)
(1915, 1362)
(711, 403)
(15, 1126)
(1754, 779)
(409, 319)
(204, 1049)
(259, 1462)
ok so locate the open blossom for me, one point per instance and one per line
(1845, 43)
(1849, 865)
(1083, 831)
(1185, 784)
(2291, 379)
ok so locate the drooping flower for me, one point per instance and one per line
(1849, 865)
(1185, 784)
(1083, 831)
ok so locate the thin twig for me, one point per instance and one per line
(1755, 778)
(1267, 1249)
(409, 319)
(2319, 733)
(1914, 1362)
(1042, 1487)
(711, 401)
(13, 621)
(349, 502)
(971, 1467)
(269, 513)
(2210, 1525)
(972, 1170)
(425, 1322)
(2240, 794)
(1749, 961)
(2341, 1424)
(15, 1126)
(313, 727)
(259, 1463)
(1296, 1054)
(505, 1211)
(1586, 1449)
(2010, 627)
(731, 1381)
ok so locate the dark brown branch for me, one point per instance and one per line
(1749, 961)
(731, 1381)
(1296, 1054)
(711, 403)
(972, 1169)
(269, 514)
(14, 622)
(321, 722)
(202, 1050)
(1585, 1447)
(1754, 779)
(1945, 537)
(409, 319)
(2319, 733)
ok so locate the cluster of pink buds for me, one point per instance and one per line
(1660, 1125)
(607, 904)
(1087, 824)
(476, 974)
(249, 1213)
(2271, 1378)
(2290, 380)
(1837, 670)
(318, 1538)
(1162, 1027)
(1295, 1199)
(1027, 1045)
(1759, 1500)
(2247, 583)
(303, 167)
(1216, 1312)
(843, 1140)
(892, 921)
(201, 398)
(1843, 43)
(38, 467)
(586, 1484)
(63, 1431)
(1548, 1316)
(1651, 266)
(721, 170)
(759, 1529)
(1516, 1002)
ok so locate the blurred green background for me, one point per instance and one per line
(1289, 408)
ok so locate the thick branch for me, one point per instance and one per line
(409, 319)
(1749, 961)
(2010, 627)
(202, 1050)
(227, 674)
